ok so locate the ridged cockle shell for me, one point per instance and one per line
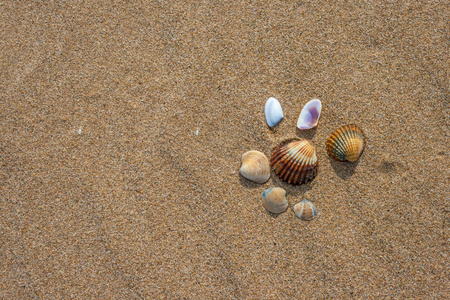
(255, 166)
(273, 112)
(309, 117)
(274, 200)
(346, 143)
(305, 210)
(295, 162)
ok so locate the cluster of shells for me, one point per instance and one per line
(295, 161)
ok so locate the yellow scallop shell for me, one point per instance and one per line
(346, 143)
(295, 162)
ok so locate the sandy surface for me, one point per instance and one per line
(108, 193)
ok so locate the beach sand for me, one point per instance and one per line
(122, 128)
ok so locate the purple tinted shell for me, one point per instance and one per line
(309, 117)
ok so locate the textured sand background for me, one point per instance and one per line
(107, 192)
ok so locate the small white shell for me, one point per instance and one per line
(273, 112)
(309, 117)
(274, 200)
(255, 166)
(305, 210)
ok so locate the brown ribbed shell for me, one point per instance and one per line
(295, 162)
(346, 143)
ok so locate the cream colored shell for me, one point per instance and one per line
(255, 166)
(274, 200)
(305, 210)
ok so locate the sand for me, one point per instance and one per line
(122, 128)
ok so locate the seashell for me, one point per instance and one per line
(255, 166)
(305, 210)
(273, 112)
(295, 162)
(309, 117)
(346, 143)
(274, 200)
